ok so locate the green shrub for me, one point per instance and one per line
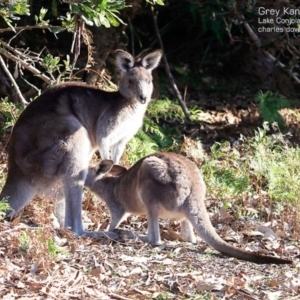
(269, 104)
(277, 166)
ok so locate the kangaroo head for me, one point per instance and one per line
(107, 167)
(136, 79)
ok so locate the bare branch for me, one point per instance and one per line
(49, 27)
(15, 36)
(257, 42)
(15, 51)
(281, 65)
(30, 84)
(27, 66)
(22, 99)
(252, 34)
(75, 48)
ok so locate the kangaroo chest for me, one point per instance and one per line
(125, 125)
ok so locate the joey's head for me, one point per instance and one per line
(136, 79)
(106, 168)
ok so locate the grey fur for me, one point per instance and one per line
(163, 185)
(55, 136)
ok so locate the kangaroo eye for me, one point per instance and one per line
(130, 81)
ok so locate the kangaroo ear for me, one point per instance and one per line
(151, 60)
(124, 60)
(105, 166)
(117, 170)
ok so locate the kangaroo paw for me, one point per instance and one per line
(132, 235)
(100, 234)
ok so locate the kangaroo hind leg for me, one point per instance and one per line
(187, 231)
(151, 200)
(18, 190)
(117, 216)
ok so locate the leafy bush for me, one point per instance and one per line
(141, 145)
(39, 243)
(264, 167)
(155, 136)
(165, 109)
(3, 207)
(10, 10)
(10, 112)
(225, 173)
(97, 13)
(277, 166)
(269, 103)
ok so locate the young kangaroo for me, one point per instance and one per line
(163, 185)
(54, 138)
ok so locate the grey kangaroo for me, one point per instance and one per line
(163, 185)
(55, 136)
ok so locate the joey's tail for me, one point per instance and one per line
(206, 231)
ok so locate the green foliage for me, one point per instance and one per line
(141, 145)
(164, 135)
(153, 2)
(167, 138)
(269, 103)
(3, 207)
(212, 17)
(163, 296)
(10, 112)
(154, 136)
(56, 69)
(51, 63)
(40, 20)
(97, 13)
(165, 109)
(264, 163)
(9, 10)
(24, 241)
(224, 173)
(276, 165)
(37, 242)
(67, 22)
(152, 127)
(53, 249)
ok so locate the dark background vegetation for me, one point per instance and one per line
(217, 63)
(206, 43)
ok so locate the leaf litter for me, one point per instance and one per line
(130, 269)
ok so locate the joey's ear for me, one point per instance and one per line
(124, 60)
(117, 170)
(150, 61)
(105, 166)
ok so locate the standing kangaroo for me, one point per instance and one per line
(55, 136)
(165, 185)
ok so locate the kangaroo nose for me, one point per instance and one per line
(143, 99)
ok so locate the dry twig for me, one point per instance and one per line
(257, 42)
(75, 48)
(16, 29)
(26, 66)
(13, 82)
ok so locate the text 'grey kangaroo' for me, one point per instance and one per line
(55, 136)
(163, 185)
